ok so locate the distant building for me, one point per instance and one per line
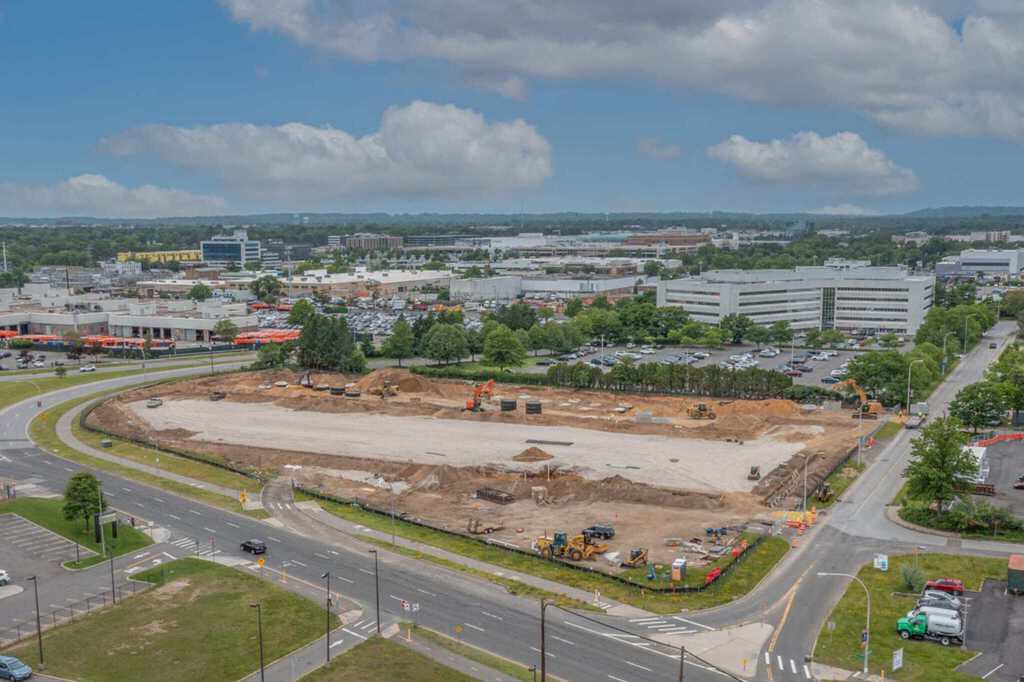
(669, 241)
(990, 236)
(335, 241)
(428, 240)
(180, 256)
(510, 287)
(371, 242)
(227, 249)
(846, 295)
(911, 239)
(130, 267)
(974, 262)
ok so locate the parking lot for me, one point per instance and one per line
(819, 368)
(1005, 466)
(995, 627)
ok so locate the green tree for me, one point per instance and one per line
(83, 497)
(759, 335)
(601, 303)
(883, 374)
(503, 349)
(831, 337)
(446, 343)
(401, 344)
(266, 288)
(736, 327)
(573, 307)
(200, 292)
(269, 356)
(474, 342)
(537, 337)
(713, 337)
(980, 404)
(61, 372)
(516, 316)
(225, 329)
(889, 340)
(301, 312)
(781, 332)
(940, 468)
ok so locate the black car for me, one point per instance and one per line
(600, 530)
(254, 546)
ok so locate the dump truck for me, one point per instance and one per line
(936, 628)
(1015, 574)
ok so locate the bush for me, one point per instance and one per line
(810, 394)
(913, 577)
(20, 344)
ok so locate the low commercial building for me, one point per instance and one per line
(180, 256)
(846, 295)
(510, 287)
(669, 241)
(372, 242)
(985, 262)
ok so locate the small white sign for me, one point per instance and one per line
(882, 562)
(897, 659)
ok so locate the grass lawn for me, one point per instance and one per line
(485, 658)
(922, 660)
(48, 514)
(43, 430)
(840, 480)
(195, 625)
(741, 581)
(382, 659)
(888, 431)
(479, 366)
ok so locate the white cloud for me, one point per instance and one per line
(934, 67)
(843, 161)
(97, 196)
(420, 149)
(844, 209)
(656, 148)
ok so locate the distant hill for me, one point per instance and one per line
(966, 211)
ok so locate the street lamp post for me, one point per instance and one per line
(543, 640)
(966, 317)
(867, 631)
(944, 356)
(327, 576)
(39, 624)
(909, 368)
(806, 460)
(259, 630)
(376, 580)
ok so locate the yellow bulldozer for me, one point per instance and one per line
(386, 390)
(637, 557)
(576, 548)
(700, 411)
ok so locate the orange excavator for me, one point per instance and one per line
(870, 408)
(481, 391)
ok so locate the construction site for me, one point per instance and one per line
(515, 463)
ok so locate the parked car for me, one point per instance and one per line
(5, 354)
(830, 380)
(993, 345)
(254, 546)
(604, 531)
(87, 368)
(793, 373)
(806, 369)
(5, 579)
(548, 362)
(943, 596)
(701, 355)
(951, 585)
(13, 669)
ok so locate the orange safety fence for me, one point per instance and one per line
(1001, 438)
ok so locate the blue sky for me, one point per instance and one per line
(179, 108)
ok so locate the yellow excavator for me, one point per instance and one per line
(700, 411)
(870, 408)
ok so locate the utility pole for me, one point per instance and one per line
(259, 630)
(376, 579)
(682, 658)
(99, 513)
(39, 624)
(543, 639)
(327, 576)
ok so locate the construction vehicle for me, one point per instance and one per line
(477, 527)
(386, 390)
(869, 409)
(306, 380)
(481, 391)
(637, 557)
(823, 493)
(934, 627)
(700, 411)
(755, 473)
(576, 548)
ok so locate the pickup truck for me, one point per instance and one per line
(922, 626)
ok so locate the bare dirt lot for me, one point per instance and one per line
(637, 461)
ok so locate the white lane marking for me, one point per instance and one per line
(233, 525)
(209, 530)
(139, 504)
(107, 493)
(396, 598)
(338, 643)
(792, 665)
(564, 641)
(158, 500)
(637, 665)
(299, 563)
(491, 615)
(68, 469)
(781, 667)
(546, 653)
(678, 631)
(193, 511)
(767, 658)
(475, 627)
(360, 623)
(807, 673)
(617, 679)
(985, 676)
(338, 577)
(141, 556)
(176, 518)
(425, 592)
(331, 551)
(354, 633)
(127, 490)
(321, 556)
(366, 571)
(272, 538)
(644, 620)
(692, 622)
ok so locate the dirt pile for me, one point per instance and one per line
(532, 454)
(406, 382)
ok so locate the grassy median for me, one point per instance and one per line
(753, 568)
(195, 624)
(49, 514)
(922, 660)
(381, 659)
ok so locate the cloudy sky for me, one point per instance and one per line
(141, 109)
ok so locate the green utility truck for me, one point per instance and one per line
(936, 628)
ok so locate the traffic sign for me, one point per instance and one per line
(882, 562)
(897, 659)
(405, 605)
(458, 628)
(831, 625)
(261, 561)
(415, 607)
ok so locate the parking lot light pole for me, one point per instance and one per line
(944, 356)
(909, 368)
(327, 576)
(39, 623)
(259, 630)
(867, 630)
(376, 580)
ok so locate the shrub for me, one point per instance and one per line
(913, 577)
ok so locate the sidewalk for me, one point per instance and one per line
(277, 499)
(451, 659)
(65, 434)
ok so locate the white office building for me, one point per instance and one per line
(235, 248)
(850, 296)
(992, 262)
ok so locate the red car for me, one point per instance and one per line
(1019, 485)
(951, 585)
